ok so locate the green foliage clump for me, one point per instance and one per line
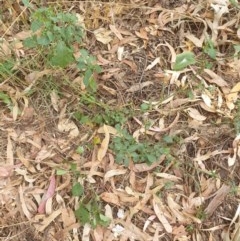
(54, 35)
(126, 148)
(90, 212)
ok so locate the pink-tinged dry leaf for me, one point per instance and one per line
(104, 145)
(47, 195)
(6, 171)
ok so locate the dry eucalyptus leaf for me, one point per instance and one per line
(194, 113)
(137, 87)
(104, 145)
(66, 125)
(103, 35)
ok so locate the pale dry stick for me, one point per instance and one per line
(14, 21)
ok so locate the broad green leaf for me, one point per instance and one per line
(36, 25)
(77, 190)
(183, 60)
(43, 40)
(61, 172)
(104, 220)
(73, 167)
(30, 42)
(237, 48)
(5, 98)
(210, 50)
(82, 214)
(87, 77)
(144, 106)
(63, 55)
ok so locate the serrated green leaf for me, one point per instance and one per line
(43, 40)
(30, 42)
(77, 190)
(183, 60)
(36, 25)
(63, 55)
(82, 214)
(103, 220)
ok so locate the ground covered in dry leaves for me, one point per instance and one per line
(58, 153)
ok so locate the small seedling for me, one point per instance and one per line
(183, 60)
(209, 49)
(90, 212)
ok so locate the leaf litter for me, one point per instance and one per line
(189, 99)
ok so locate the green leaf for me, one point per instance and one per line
(36, 25)
(43, 40)
(82, 214)
(87, 77)
(168, 139)
(183, 60)
(73, 167)
(61, 172)
(237, 49)
(144, 106)
(104, 220)
(5, 99)
(80, 150)
(30, 42)
(77, 190)
(27, 3)
(63, 55)
(210, 50)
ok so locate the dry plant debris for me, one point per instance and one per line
(145, 149)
